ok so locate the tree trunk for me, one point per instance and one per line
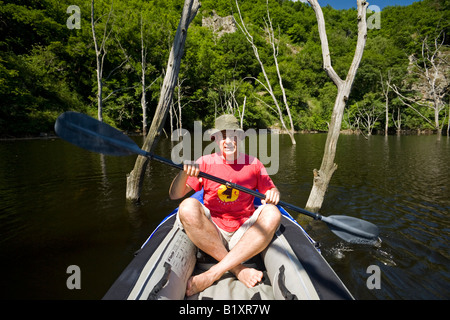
(448, 124)
(99, 67)
(323, 176)
(144, 106)
(99, 96)
(436, 121)
(136, 177)
(385, 88)
(143, 70)
(386, 125)
(179, 123)
(100, 54)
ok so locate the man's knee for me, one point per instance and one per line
(189, 211)
(271, 216)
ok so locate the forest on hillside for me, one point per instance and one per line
(48, 64)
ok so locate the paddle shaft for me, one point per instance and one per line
(91, 134)
(316, 216)
(235, 186)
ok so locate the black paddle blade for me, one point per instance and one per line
(93, 135)
(353, 230)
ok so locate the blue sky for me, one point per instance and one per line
(346, 4)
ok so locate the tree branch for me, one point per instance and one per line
(324, 44)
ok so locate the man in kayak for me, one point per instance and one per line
(227, 227)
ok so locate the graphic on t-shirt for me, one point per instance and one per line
(227, 194)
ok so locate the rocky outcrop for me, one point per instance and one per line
(219, 25)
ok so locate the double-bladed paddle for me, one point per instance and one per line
(93, 135)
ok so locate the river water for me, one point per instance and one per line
(62, 206)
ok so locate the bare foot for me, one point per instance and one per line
(248, 276)
(199, 283)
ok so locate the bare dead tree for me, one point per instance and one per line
(228, 96)
(411, 103)
(434, 70)
(448, 124)
(397, 122)
(267, 86)
(351, 120)
(143, 71)
(323, 176)
(431, 68)
(241, 114)
(180, 107)
(176, 109)
(100, 55)
(233, 105)
(369, 115)
(275, 49)
(136, 177)
(385, 88)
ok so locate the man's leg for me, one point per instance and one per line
(252, 242)
(204, 234)
(200, 230)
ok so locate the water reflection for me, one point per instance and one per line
(60, 205)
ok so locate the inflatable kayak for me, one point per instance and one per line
(293, 268)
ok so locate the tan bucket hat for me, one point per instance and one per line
(226, 122)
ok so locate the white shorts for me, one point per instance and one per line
(230, 239)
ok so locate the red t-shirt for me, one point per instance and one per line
(229, 207)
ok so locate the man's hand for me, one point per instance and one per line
(179, 188)
(272, 196)
(191, 169)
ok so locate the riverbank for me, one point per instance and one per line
(29, 137)
(407, 132)
(52, 135)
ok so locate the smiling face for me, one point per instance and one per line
(227, 140)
